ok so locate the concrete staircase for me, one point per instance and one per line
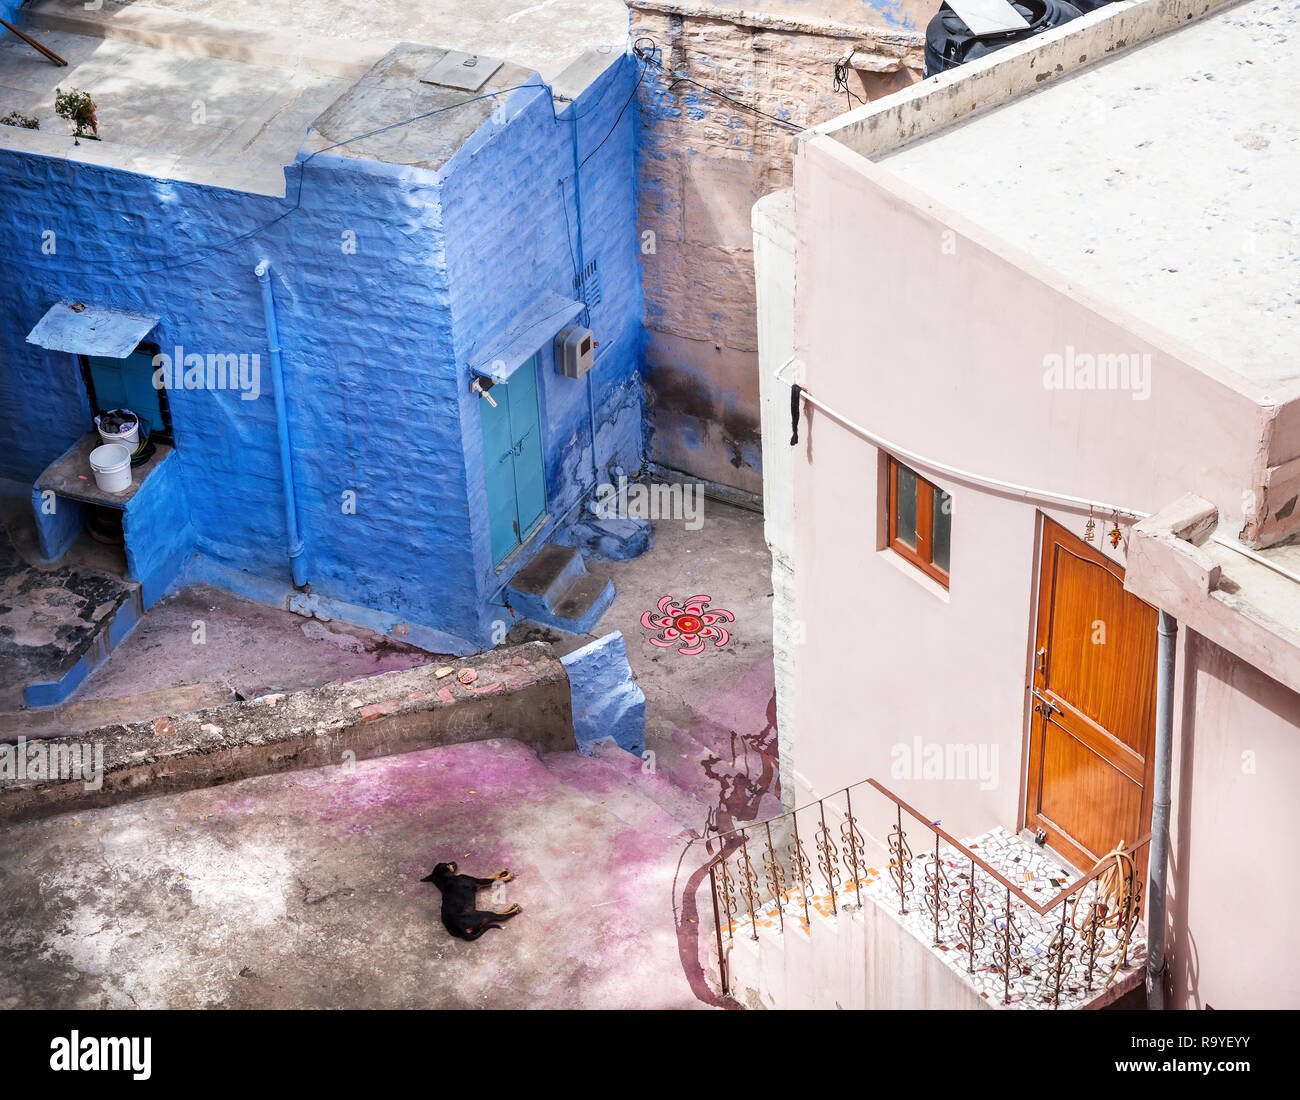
(852, 947)
(555, 590)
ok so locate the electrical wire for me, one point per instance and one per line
(840, 83)
(636, 88)
(1028, 492)
(651, 57)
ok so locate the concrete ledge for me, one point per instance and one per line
(1222, 596)
(520, 692)
(265, 180)
(793, 23)
(992, 81)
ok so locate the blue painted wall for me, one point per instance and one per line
(374, 346)
(504, 200)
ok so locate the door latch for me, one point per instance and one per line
(1045, 706)
(481, 387)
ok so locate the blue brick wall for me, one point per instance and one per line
(159, 535)
(374, 344)
(364, 336)
(504, 200)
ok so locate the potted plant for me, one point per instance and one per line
(79, 109)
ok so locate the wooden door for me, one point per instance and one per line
(1092, 726)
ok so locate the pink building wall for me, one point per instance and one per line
(917, 326)
(1231, 895)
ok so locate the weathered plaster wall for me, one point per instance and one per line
(703, 163)
(374, 339)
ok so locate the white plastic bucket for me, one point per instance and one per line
(130, 439)
(112, 466)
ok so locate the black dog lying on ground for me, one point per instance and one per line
(459, 897)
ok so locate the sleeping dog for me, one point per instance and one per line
(459, 915)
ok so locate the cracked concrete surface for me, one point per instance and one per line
(302, 890)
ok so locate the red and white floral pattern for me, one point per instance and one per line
(691, 624)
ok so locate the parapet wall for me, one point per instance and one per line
(521, 692)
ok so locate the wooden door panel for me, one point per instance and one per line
(1087, 797)
(1093, 724)
(1098, 637)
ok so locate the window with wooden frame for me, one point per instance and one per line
(920, 521)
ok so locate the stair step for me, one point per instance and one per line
(613, 539)
(583, 596)
(550, 575)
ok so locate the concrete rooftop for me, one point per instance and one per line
(303, 890)
(392, 91)
(146, 97)
(1160, 179)
(226, 93)
(540, 35)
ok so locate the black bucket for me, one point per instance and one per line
(949, 42)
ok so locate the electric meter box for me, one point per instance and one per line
(575, 351)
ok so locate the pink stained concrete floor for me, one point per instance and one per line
(703, 712)
(302, 890)
(248, 650)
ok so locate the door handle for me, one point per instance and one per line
(1040, 660)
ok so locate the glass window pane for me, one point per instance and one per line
(905, 507)
(942, 529)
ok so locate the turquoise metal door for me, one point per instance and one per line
(512, 454)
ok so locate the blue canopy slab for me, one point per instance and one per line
(525, 333)
(91, 330)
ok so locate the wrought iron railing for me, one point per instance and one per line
(779, 876)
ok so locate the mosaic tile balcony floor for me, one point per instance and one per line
(1037, 872)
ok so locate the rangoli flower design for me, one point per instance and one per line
(692, 623)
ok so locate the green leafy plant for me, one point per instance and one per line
(79, 109)
(13, 118)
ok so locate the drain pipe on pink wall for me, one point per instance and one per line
(1158, 863)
